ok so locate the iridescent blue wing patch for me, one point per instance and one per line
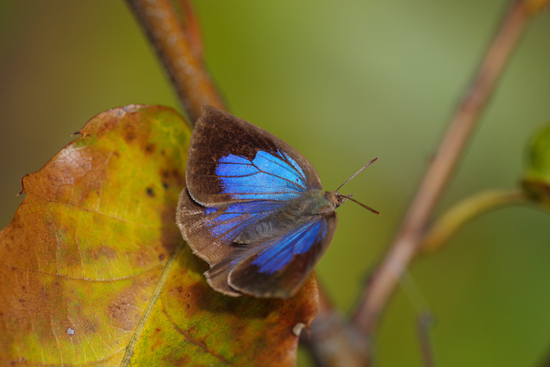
(273, 176)
(210, 231)
(279, 267)
(231, 160)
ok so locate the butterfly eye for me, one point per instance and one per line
(341, 200)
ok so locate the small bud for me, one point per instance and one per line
(536, 181)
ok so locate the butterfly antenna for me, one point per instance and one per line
(363, 205)
(355, 174)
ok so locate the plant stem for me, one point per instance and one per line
(409, 237)
(423, 324)
(177, 49)
(466, 210)
(332, 341)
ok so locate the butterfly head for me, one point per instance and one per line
(335, 199)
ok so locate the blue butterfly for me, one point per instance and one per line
(254, 208)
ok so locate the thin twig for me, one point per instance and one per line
(177, 47)
(192, 29)
(461, 213)
(424, 324)
(408, 238)
(332, 341)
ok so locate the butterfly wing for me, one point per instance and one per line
(210, 231)
(237, 175)
(231, 160)
(278, 267)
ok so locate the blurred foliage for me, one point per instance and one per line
(341, 82)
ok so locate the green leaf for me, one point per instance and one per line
(536, 180)
(95, 272)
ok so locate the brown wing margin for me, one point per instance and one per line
(218, 133)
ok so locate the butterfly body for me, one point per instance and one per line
(254, 208)
(294, 213)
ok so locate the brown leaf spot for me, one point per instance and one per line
(176, 174)
(142, 259)
(125, 309)
(108, 252)
(130, 133)
(122, 314)
(172, 236)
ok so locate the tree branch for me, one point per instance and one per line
(180, 51)
(332, 341)
(409, 237)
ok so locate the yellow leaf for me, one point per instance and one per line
(94, 270)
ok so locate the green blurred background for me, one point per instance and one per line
(342, 82)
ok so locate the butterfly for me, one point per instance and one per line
(254, 208)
